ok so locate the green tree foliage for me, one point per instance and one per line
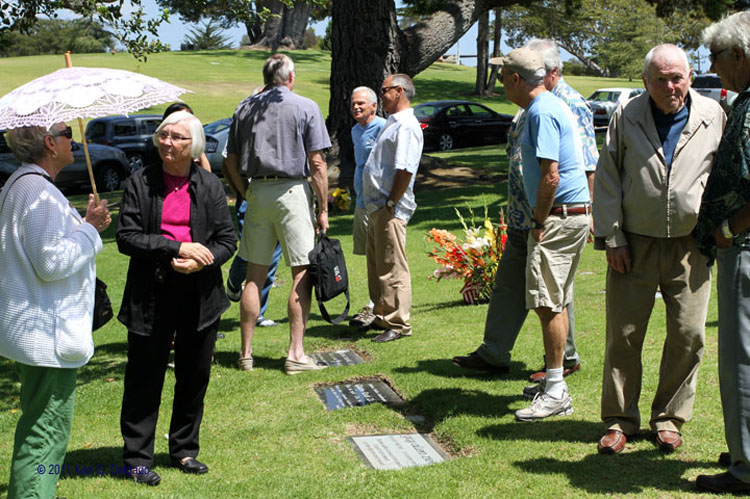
(610, 37)
(207, 36)
(55, 36)
(131, 32)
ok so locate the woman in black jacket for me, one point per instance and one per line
(175, 227)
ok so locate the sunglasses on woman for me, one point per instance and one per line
(67, 133)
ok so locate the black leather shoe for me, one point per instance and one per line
(150, 478)
(388, 335)
(723, 482)
(475, 362)
(190, 465)
(725, 460)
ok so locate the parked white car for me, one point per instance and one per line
(604, 101)
(709, 85)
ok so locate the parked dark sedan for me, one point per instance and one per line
(110, 166)
(451, 123)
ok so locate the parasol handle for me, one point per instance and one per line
(69, 64)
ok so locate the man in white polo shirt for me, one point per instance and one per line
(388, 193)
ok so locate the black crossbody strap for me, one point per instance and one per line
(5, 189)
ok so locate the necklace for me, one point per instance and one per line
(174, 183)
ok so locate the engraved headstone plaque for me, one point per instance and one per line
(394, 452)
(357, 394)
(338, 358)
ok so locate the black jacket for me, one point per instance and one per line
(139, 237)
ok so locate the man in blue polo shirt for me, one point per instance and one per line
(555, 183)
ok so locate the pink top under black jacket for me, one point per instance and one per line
(139, 236)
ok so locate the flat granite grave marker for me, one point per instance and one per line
(338, 358)
(394, 452)
(357, 394)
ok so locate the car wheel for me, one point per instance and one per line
(136, 162)
(108, 177)
(446, 142)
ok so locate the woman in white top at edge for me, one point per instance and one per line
(48, 263)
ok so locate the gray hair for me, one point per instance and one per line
(403, 81)
(730, 32)
(665, 50)
(277, 69)
(198, 143)
(371, 95)
(27, 143)
(536, 79)
(549, 52)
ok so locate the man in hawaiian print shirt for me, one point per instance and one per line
(507, 311)
(723, 234)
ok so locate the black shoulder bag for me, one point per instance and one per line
(328, 273)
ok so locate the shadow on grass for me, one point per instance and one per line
(102, 461)
(446, 369)
(229, 360)
(626, 473)
(440, 404)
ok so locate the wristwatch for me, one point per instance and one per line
(390, 203)
(537, 224)
(725, 230)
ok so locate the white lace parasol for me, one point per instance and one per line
(79, 92)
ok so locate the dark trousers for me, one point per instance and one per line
(176, 315)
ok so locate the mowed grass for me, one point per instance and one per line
(265, 434)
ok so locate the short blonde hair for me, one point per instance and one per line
(198, 143)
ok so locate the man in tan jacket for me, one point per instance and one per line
(649, 181)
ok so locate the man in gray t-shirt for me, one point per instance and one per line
(276, 141)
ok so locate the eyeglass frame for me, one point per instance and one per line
(385, 90)
(67, 132)
(164, 137)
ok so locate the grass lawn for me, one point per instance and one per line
(265, 434)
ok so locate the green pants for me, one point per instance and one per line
(43, 430)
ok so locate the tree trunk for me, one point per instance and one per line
(293, 26)
(272, 27)
(497, 36)
(364, 53)
(584, 60)
(285, 28)
(483, 48)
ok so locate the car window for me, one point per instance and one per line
(150, 126)
(456, 112)
(125, 128)
(96, 129)
(479, 111)
(3, 145)
(707, 82)
(636, 93)
(424, 110)
(218, 126)
(603, 96)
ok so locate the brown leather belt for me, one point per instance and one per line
(570, 210)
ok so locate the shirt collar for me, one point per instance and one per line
(401, 115)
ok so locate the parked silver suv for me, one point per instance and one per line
(709, 85)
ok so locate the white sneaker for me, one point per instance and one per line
(544, 406)
(529, 392)
(263, 322)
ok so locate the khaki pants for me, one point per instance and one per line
(676, 268)
(388, 275)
